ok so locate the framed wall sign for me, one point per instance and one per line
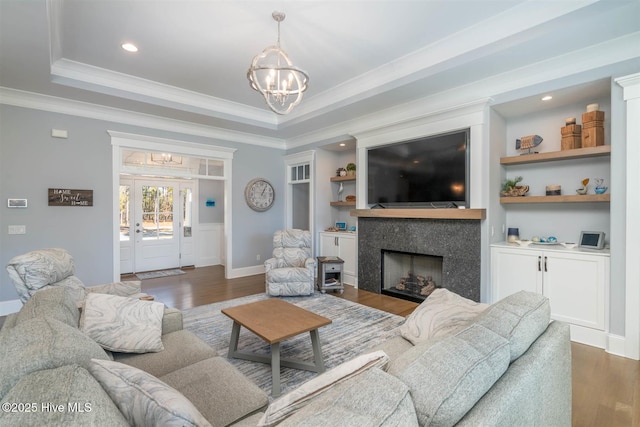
(16, 203)
(68, 197)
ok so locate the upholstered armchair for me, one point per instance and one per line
(45, 268)
(291, 270)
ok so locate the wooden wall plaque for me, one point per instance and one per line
(67, 197)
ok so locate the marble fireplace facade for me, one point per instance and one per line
(457, 241)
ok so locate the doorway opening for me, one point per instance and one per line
(156, 224)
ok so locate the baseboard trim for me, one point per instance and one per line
(588, 336)
(8, 307)
(616, 345)
(245, 271)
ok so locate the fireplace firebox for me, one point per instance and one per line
(410, 276)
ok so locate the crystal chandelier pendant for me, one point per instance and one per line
(273, 75)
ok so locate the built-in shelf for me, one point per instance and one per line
(557, 199)
(421, 213)
(576, 153)
(342, 203)
(343, 178)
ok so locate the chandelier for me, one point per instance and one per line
(273, 75)
(166, 159)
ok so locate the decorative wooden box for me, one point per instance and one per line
(571, 137)
(593, 129)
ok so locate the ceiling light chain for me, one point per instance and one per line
(273, 75)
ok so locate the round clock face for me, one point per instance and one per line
(259, 194)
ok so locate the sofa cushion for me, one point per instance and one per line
(520, 318)
(72, 388)
(372, 398)
(42, 343)
(173, 357)
(144, 399)
(55, 302)
(123, 324)
(441, 314)
(298, 398)
(447, 376)
(219, 391)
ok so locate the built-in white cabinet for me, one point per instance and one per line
(345, 246)
(575, 281)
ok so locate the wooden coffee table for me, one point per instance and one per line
(275, 320)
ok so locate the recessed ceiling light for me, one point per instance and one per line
(342, 144)
(547, 98)
(129, 47)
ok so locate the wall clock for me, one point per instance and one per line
(259, 194)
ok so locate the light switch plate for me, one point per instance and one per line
(17, 229)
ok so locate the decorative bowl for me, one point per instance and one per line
(601, 190)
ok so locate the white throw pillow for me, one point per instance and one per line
(143, 399)
(122, 324)
(298, 398)
(443, 313)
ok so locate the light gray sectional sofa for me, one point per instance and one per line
(508, 366)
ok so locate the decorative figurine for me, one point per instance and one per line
(585, 187)
(600, 189)
(528, 142)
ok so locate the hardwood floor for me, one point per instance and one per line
(606, 388)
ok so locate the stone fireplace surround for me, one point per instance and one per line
(458, 241)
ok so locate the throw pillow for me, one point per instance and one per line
(42, 343)
(373, 399)
(298, 398)
(143, 399)
(520, 318)
(441, 314)
(123, 324)
(447, 376)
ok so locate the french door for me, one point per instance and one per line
(155, 224)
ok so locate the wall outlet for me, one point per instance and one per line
(258, 257)
(17, 229)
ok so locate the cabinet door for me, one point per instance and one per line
(514, 270)
(349, 253)
(329, 245)
(576, 286)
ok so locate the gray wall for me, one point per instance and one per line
(209, 189)
(31, 161)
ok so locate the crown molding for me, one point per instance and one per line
(54, 104)
(575, 63)
(101, 80)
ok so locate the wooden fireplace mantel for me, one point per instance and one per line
(421, 213)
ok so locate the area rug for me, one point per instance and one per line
(159, 273)
(355, 329)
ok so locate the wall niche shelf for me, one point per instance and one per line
(557, 199)
(346, 178)
(342, 203)
(576, 153)
(343, 178)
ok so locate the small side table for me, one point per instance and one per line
(330, 274)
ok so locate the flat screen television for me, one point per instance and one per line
(432, 171)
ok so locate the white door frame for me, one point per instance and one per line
(121, 141)
(305, 157)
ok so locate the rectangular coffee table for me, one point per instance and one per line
(275, 320)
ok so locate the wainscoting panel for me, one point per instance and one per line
(210, 245)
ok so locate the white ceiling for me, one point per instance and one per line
(362, 56)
